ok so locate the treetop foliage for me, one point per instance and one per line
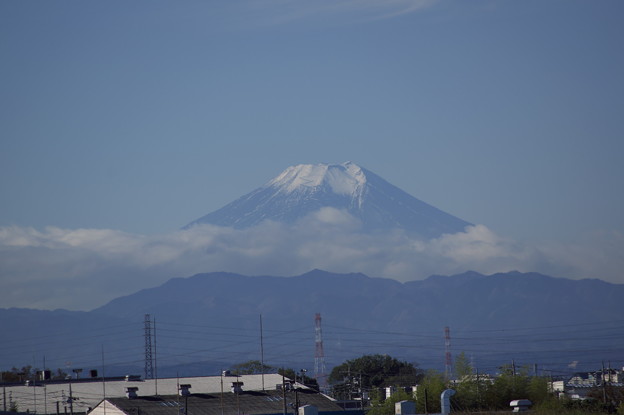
(251, 367)
(376, 371)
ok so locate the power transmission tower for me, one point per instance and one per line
(448, 361)
(319, 355)
(149, 370)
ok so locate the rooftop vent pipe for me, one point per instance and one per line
(237, 387)
(184, 390)
(131, 392)
(308, 410)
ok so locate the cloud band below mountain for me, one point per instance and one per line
(84, 268)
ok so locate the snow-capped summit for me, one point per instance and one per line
(306, 188)
(346, 179)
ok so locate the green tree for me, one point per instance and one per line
(537, 390)
(552, 405)
(251, 367)
(428, 393)
(609, 396)
(510, 384)
(463, 367)
(375, 371)
(469, 387)
(386, 407)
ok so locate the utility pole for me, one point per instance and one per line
(237, 392)
(297, 390)
(296, 411)
(478, 390)
(45, 388)
(222, 391)
(71, 399)
(261, 353)
(361, 393)
(283, 392)
(35, 392)
(104, 382)
(348, 381)
(604, 386)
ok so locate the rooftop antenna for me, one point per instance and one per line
(149, 370)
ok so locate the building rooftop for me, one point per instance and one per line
(42, 397)
(247, 402)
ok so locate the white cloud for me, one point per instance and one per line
(281, 11)
(84, 268)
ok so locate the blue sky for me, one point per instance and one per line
(139, 117)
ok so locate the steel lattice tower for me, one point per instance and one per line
(319, 355)
(149, 372)
(448, 364)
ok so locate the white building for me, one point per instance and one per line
(80, 395)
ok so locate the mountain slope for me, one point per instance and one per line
(301, 190)
(518, 313)
(466, 300)
(214, 318)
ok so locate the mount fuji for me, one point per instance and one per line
(304, 189)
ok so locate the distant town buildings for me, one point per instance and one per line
(580, 384)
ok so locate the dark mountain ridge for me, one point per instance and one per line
(214, 318)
